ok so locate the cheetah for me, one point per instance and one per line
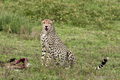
(53, 50)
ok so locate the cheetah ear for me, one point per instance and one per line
(53, 21)
(41, 19)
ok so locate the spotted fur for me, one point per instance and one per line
(103, 63)
(52, 46)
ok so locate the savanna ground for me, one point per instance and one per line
(91, 29)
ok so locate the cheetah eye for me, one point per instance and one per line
(43, 22)
(49, 23)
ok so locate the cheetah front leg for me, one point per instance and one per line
(43, 55)
(71, 58)
(48, 61)
(50, 55)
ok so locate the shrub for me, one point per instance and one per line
(91, 14)
(14, 23)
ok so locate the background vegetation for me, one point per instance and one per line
(91, 14)
(90, 28)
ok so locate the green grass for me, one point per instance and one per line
(89, 47)
(95, 14)
(91, 29)
(13, 23)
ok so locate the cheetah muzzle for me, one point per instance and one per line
(46, 28)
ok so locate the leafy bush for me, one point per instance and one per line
(14, 23)
(91, 14)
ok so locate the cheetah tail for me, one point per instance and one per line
(102, 63)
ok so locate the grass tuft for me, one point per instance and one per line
(13, 23)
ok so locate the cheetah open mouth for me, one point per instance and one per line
(46, 28)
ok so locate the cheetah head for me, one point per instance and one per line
(47, 25)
